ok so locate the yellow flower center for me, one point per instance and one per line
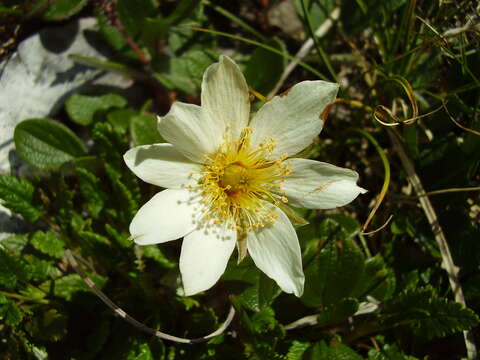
(235, 177)
(239, 181)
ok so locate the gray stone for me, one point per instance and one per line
(39, 76)
(35, 81)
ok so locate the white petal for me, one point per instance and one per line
(293, 120)
(225, 95)
(190, 130)
(204, 257)
(169, 215)
(161, 165)
(276, 251)
(318, 185)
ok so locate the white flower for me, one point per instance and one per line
(228, 177)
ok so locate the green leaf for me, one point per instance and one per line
(153, 252)
(318, 11)
(67, 286)
(389, 352)
(12, 270)
(90, 188)
(333, 351)
(184, 72)
(18, 196)
(45, 144)
(11, 313)
(48, 243)
(144, 131)
(125, 195)
(14, 243)
(63, 9)
(108, 65)
(428, 315)
(39, 270)
(133, 13)
(265, 67)
(337, 313)
(140, 352)
(82, 108)
(261, 294)
(337, 269)
(48, 325)
(120, 119)
(110, 33)
(297, 349)
(377, 280)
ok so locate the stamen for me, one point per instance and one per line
(238, 178)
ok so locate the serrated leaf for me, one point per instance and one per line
(67, 286)
(11, 313)
(82, 108)
(14, 243)
(126, 196)
(120, 119)
(333, 351)
(143, 129)
(12, 270)
(153, 252)
(48, 243)
(18, 196)
(296, 350)
(45, 144)
(389, 352)
(122, 240)
(337, 313)
(337, 269)
(377, 280)
(40, 270)
(90, 188)
(428, 315)
(63, 9)
(48, 325)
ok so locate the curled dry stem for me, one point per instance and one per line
(118, 311)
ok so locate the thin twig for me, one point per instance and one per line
(447, 261)
(305, 49)
(73, 262)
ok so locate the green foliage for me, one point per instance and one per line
(48, 243)
(67, 286)
(82, 108)
(63, 9)
(339, 312)
(336, 269)
(90, 188)
(380, 296)
(428, 315)
(12, 270)
(143, 129)
(389, 352)
(332, 351)
(296, 350)
(46, 144)
(264, 68)
(18, 196)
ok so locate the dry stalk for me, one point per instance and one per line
(447, 261)
(118, 311)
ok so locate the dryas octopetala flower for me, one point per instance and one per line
(229, 178)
